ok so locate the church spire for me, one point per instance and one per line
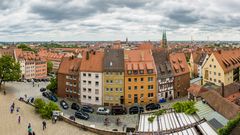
(164, 39)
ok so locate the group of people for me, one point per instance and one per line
(31, 132)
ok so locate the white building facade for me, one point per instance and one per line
(91, 88)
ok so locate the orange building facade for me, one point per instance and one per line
(140, 78)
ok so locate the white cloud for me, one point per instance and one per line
(28, 20)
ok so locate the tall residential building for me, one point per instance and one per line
(113, 77)
(68, 78)
(165, 74)
(32, 65)
(164, 40)
(91, 77)
(140, 77)
(181, 74)
(222, 67)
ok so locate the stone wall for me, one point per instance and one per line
(91, 129)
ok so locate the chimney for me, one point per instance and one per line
(222, 89)
(219, 51)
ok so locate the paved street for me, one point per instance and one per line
(8, 122)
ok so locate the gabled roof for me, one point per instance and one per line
(69, 65)
(179, 63)
(113, 60)
(228, 59)
(94, 63)
(220, 104)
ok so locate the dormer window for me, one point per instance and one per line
(129, 72)
(150, 71)
(141, 71)
(135, 72)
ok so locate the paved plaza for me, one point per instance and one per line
(9, 122)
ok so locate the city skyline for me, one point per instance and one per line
(102, 20)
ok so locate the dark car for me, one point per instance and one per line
(75, 106)
(46, 94)
(136, 109)
(87, 108)
(30, 100)
(81, 115)
(43, 89)
(64, 104)
(152, 106)
(118, 110)
(52, 97)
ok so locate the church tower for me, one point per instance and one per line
(164, 40)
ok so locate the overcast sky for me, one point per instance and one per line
(36, 20)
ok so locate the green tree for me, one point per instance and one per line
(39, 104)
(49, 66)
(9, 69)
(53, 85)
(24, 47)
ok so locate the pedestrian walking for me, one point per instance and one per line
(19, 119)
(11, 109)
(33, 133)
(17, 110)
(13, 105)
(44, 125)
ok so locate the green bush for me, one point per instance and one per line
(45, 110)
(226, 130)
(186, 107)
(151, 118)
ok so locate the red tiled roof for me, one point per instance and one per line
(69, 65)
(94, 63)
(179, 63)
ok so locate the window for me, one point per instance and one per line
(150, 87)
(219, 74)
(89, 90)
(107, 81)
(210, 65)
(212, 59)
(150, 71)
(150, 94)
(214, 73)
(129, 72)
(84, 89)
(120, 89)
(135, 79)
(84, 74)
(84, 96)
(210, 79)
(150, 79)
(214, 66)
(135, 87)
(142, 87)
(142, 79)
(129, 79)
(219, 81)
(96, 83)
(96, 91)
(214, 80)
(111, 81)
(141, 71)
(116, 89)
(97, 98)
(141, 96)
(111, 89)
(89, 82)
(135, 72)
(96, 76)
(129, 87)
(89, 97)
(107, 89)
(129, 96)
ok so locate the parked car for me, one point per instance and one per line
(30, 100)
(103, 110)
(87, 108)
(136, 109)
(118, 110)
(75, 106)
(52, 97)
(43, 89)
(46, 94)
(64, 104)
(152, 106)
(81, 115)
